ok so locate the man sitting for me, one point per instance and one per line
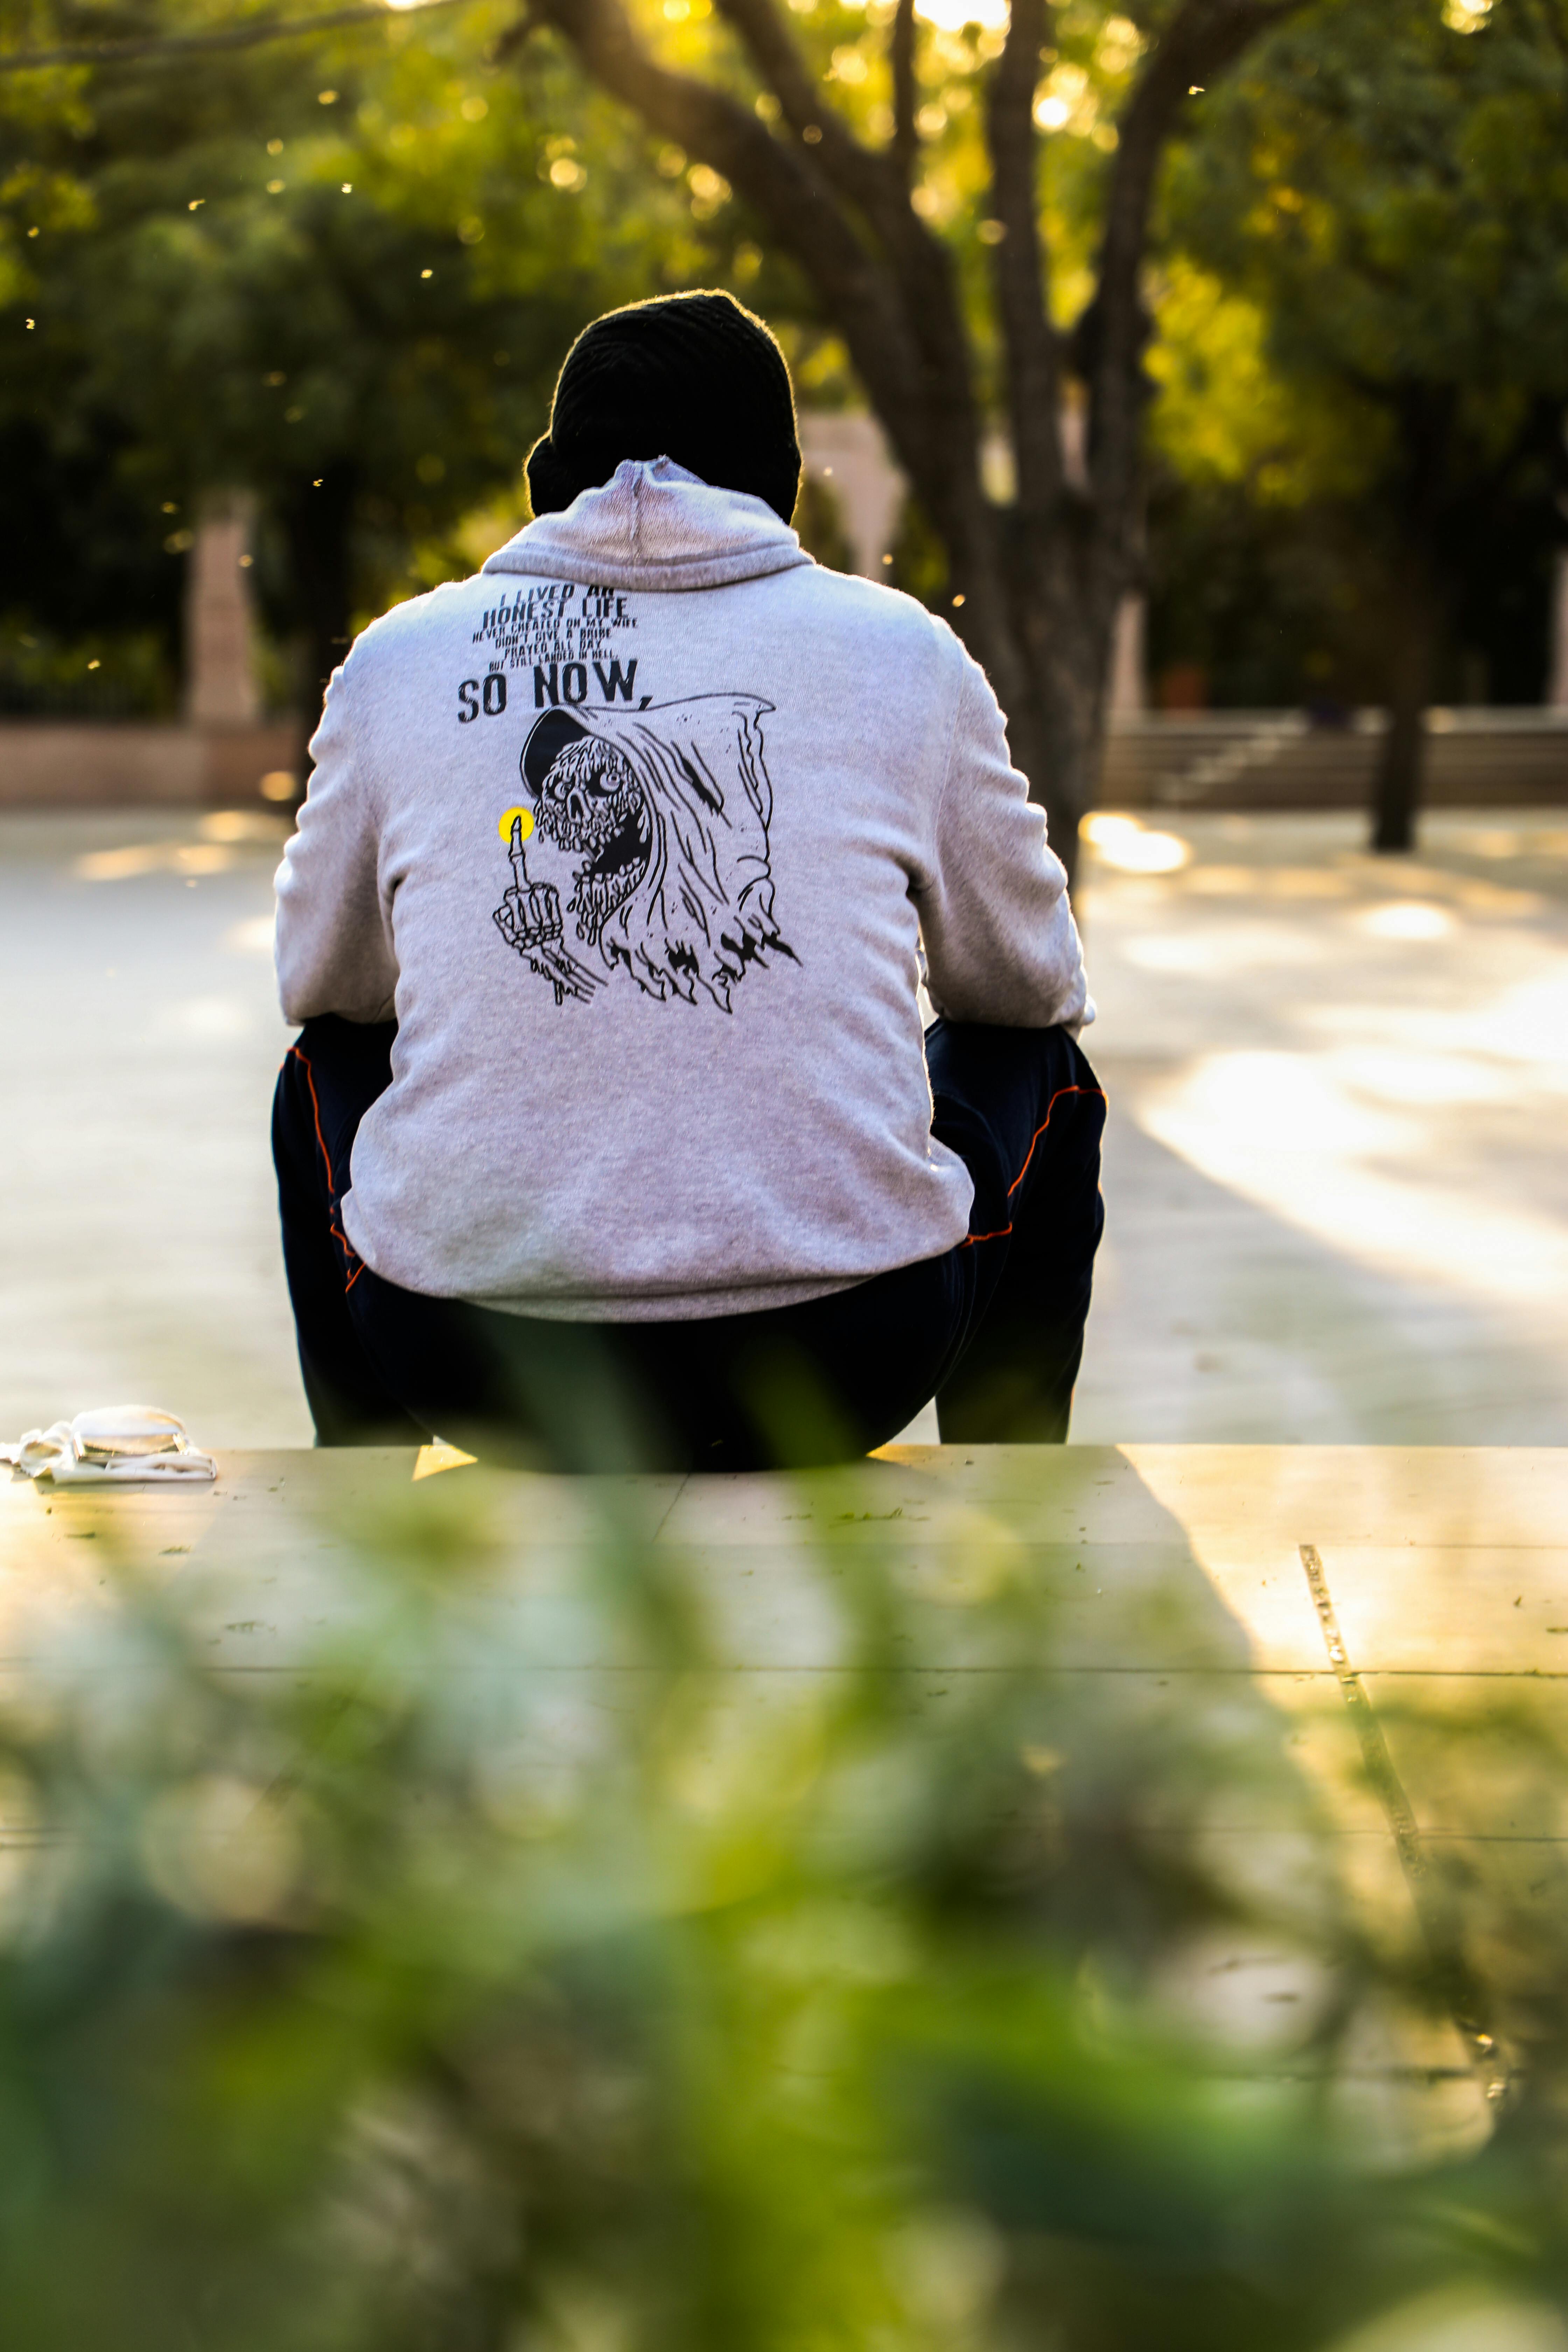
(611, 1135)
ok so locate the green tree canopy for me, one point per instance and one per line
(1387, 189)
(338, 274)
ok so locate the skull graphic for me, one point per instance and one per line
(590, 801)
(664, 813)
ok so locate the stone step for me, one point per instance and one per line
(1276, 760)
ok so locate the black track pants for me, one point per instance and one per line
(993, 1330)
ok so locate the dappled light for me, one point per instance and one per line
(1376, 1058)
(1125, 843)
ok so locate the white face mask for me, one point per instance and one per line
(113, 1443)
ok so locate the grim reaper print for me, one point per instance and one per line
(661, 816)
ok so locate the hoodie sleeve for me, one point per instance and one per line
(1001, 943)
(334, 947)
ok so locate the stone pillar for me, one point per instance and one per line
(1129, 684)
(849, 454)
(1557, 665)
(220, 669)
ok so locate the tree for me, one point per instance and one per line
(1391, 190)
(1034, 582)
(339, 274)
(848, 187)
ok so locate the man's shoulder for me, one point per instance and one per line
(878, 617)
(877, 602)
(439, 613)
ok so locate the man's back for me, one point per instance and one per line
(636, 833)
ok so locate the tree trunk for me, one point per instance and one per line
(318, 521)
(1071, 745)
(1057, 655)
(1397, 793)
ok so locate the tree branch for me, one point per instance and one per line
(920, 275)
(899, 316)
(860, 174)
(1034, 384)
(787, 184)
(234, 37)
(901, 59)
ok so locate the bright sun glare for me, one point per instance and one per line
(1122, 842)
(951, 16)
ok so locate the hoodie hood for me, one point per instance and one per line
(654, 525)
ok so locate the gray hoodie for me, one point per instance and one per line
(638, 835)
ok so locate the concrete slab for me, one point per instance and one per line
(1141, 1561)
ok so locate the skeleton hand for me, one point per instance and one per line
(529, 919)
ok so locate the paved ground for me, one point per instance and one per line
(139, 1257)
(1337, 1179)
(1336, 1175)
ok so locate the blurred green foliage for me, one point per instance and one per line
(339, 273)
(566, 1938)
(126, 673)
(1357, 299)
(1363, 354)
